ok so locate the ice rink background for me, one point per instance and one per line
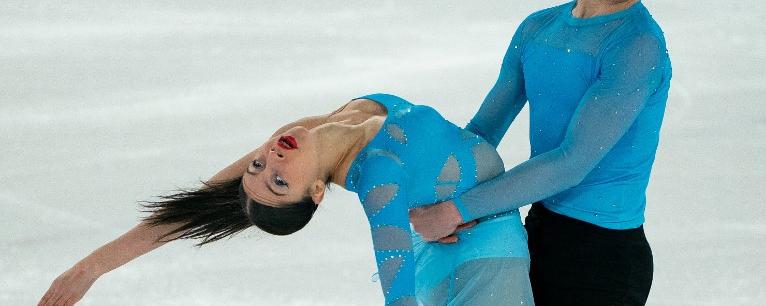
(102, 105)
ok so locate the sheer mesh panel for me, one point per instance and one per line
(404, 301)
(390, 237)
(488, 162)
(378, 197)
(450, 171)
(444, 192)
(437, 296)
(466, 134)
(492, 281)
(386, 153)
(387, 271)
(484, 282)
(448, 178)
(396, 133)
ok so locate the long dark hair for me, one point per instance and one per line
(210, 213)
(283, 220)
(219, 210)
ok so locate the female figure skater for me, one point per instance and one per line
(396, 156)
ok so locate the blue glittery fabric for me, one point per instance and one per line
(419, 158)
(597, 89)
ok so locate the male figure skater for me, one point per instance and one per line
(596, 74)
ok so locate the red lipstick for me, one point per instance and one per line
(287, 142)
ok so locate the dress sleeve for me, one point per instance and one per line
(383, 196)
(506, 98)
(631, 70)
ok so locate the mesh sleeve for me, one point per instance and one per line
(506, 98)
(385, 204)
(631, 70)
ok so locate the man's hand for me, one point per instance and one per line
(438, 222)
(453, 238)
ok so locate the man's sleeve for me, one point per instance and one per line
(631, 71)
(506, 98)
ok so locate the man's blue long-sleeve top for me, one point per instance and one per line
(597, 89)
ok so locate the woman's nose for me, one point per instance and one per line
(276, 152)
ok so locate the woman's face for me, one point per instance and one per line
(285, 169)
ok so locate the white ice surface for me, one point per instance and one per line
(102, 105)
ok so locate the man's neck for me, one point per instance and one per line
(591, 8)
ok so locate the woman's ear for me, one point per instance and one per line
(317, 191)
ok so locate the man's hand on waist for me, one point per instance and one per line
(438, 222)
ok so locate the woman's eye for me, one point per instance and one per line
(257, 164)
(280, 182)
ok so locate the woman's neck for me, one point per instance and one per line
(343, 137)
(591, 8)
(370, 129)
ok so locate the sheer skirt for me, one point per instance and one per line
(489, 265)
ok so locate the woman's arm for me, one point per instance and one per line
(383, 196)
(143, 238)
(71, 285)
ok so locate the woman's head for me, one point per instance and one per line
(284, 183)
(286, 169)
(288, 175)
(222, 209)
(279, 191)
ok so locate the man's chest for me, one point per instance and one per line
(556, 78)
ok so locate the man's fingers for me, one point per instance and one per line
(465, 226)
(417, 211)
(449, 239)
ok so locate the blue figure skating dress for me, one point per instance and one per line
(418, 158)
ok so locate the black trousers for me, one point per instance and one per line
(577, 263)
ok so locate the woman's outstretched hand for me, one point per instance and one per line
(69, 287)
(438, 222)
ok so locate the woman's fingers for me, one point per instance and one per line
(58, 301)
(68, 288)
(44, 300)
(49, 297)
(69, 301)
(56, 293)
(53, 293)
